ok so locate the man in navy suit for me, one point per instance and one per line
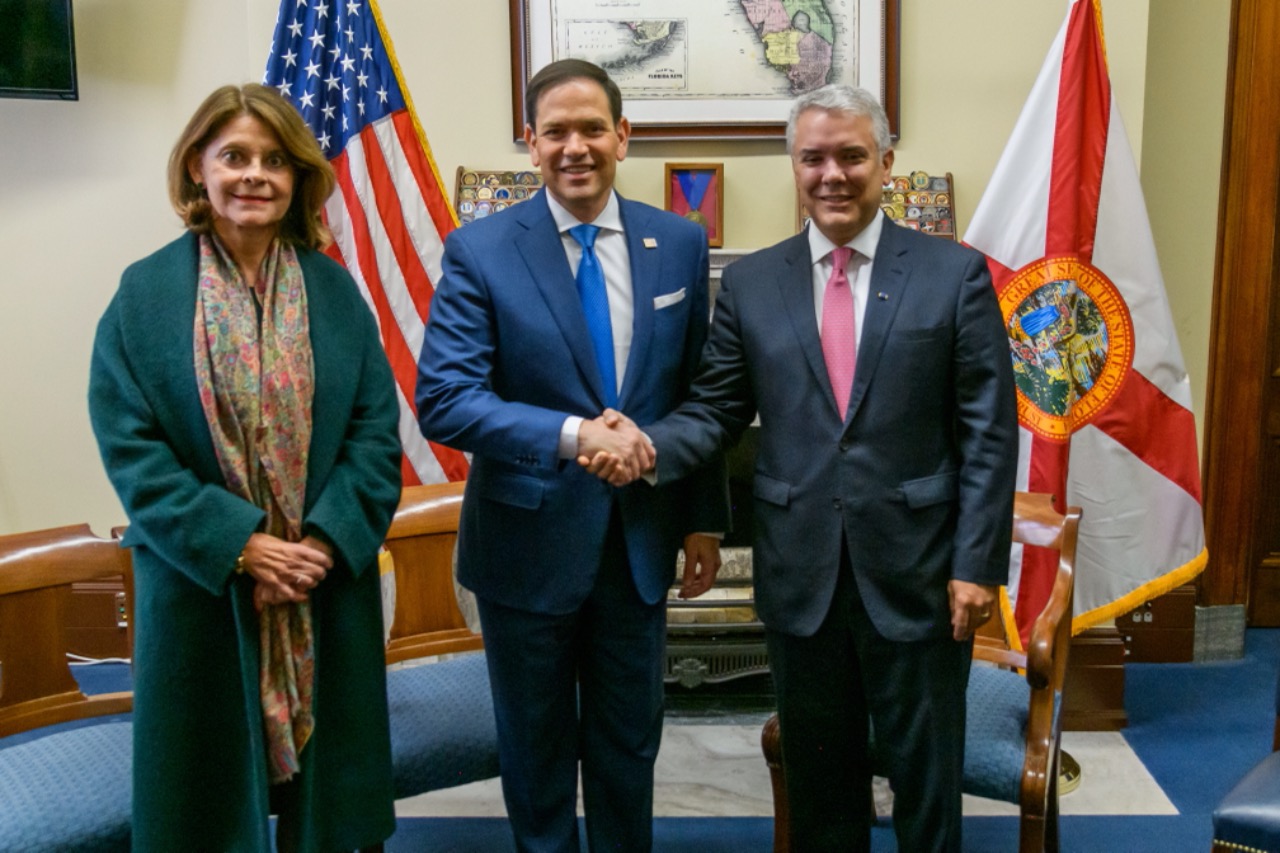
(877, 361)
(547, 314)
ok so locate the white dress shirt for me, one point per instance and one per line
(859, 271)
(615, 261)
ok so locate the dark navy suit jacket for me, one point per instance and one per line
(507, 356)
(919, 477)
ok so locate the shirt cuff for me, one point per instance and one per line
(569, 437)
(650, 476)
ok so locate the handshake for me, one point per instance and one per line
(614, 449)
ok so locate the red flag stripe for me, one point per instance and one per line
(403, 363)
(454, 462)
(1075, 185)
(334, 252)
(1000, 274)
(408, 473)
(433, 195)
(419, 225)
(1048, 473)
(387, 202)
(351, 230)
(1155, 429)
(417, 153)
(404, 308)
(1080, 138)
(1039, 569)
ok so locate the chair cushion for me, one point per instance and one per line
(442, 727)
(1249, 816)
(68, 791)
(71, 790)
(995, 733)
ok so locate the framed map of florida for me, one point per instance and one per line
(691, 69)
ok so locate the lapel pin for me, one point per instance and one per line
(650, 243)
(882, 296)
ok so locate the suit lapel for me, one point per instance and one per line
(796, 284)
(540, 246)
(646, 273)
(887, 286)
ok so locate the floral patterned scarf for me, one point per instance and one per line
(255, 374)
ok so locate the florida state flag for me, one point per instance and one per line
(1104, 404)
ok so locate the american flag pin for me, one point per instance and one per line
(882, 296)
(650, 243)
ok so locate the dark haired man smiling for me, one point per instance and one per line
(547, 314)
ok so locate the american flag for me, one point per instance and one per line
(389, 215)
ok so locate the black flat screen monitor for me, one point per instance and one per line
(37, 50)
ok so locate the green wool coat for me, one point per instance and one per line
(199, 763)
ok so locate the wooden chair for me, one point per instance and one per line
(36, 573)
(443, 731)
(421, 541)
(71, 789)
(1248, 818)
(1013, 729)
(64, 788)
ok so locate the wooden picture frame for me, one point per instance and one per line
(673, 103)
(696, 192)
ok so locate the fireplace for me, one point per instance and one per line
(718, 638)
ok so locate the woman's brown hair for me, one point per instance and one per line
(313, 176)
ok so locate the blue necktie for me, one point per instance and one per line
(595, 305)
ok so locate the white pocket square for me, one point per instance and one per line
(666, 300)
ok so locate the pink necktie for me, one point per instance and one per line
(838, 328)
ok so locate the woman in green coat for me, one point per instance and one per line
(247, 418)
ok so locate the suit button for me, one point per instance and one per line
(844, 445)
(835, 503)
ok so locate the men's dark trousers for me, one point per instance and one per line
(829, 686)
(586, 686)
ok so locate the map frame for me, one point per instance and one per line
(878, 21)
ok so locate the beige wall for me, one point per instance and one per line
(1181, 163)
(82, 184)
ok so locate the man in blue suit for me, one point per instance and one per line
(877, 361)
(547, 314)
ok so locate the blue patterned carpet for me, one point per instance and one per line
(1196, 727)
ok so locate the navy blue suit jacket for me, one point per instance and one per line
(919, 476)
(507, 356)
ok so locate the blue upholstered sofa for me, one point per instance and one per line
(66, 757)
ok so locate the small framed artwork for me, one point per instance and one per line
(696, 192)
